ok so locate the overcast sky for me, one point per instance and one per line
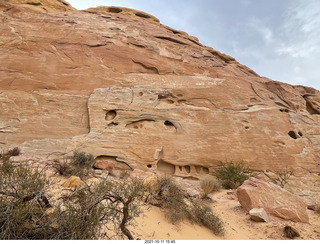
(278, 39)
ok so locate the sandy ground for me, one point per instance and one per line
(152, 225)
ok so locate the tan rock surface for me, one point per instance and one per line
(122, 86)
(277, 202)
(44, 6)
(73, 181)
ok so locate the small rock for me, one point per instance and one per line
(98, 171)
(73, 181)
(259, 215)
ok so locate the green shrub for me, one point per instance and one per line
(232, 174)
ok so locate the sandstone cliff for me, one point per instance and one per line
(118, 84)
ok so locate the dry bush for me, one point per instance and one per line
(22, 202)
(290, 232)
(79, 164)
(203, 215)
(209, 184)
(172, 199)
(81, 215)
(284, 176)
(88, 210)
(178, 208)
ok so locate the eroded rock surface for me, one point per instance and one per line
(122, 86)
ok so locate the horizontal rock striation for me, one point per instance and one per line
(117, 83)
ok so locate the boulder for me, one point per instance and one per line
(258, 215)
(104, 165)
(277, 202)
(73, 181)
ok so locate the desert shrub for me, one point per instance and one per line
(22, 202)
(208, 185)
(86, 211)
(203, 215)
(283, 176)
(290, 232)
(171, 198)
(65, 168)
(178, 208)
(81, 159)
(14, 152)
(125, 174)
(232, 174)
(79, 164)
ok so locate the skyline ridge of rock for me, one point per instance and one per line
(118, 84)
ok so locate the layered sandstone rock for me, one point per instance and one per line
(44, 6)
(120, 85)
(277, 202)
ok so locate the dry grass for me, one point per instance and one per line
(208, 185)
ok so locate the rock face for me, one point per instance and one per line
(277, 202)
(118, 84)
(44, 6)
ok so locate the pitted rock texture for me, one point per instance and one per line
(126, 88)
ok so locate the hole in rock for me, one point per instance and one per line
(110, 115)
(166, 167)
(149, 166)
(293, 135)
(114, 10)
(205, 170)
(187, 168)
(182, 101)
(112, 124)
(247, 127)
(105, 159)
(300, 133)
(170, 101)
(191, 178)
(140, 94)
(168, 123)
(143, 15)
(284, 110)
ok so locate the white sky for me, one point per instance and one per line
(279, 39)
